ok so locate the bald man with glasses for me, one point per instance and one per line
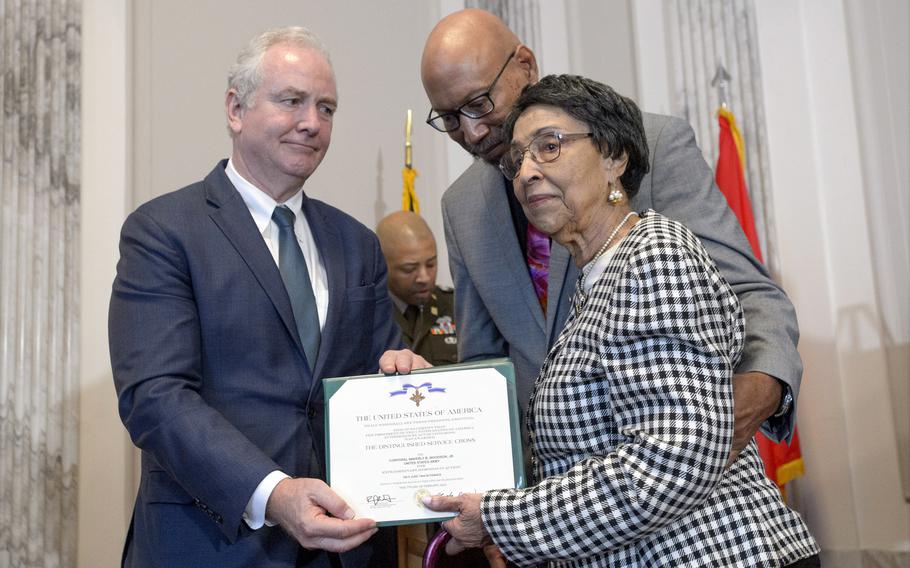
(512, 286)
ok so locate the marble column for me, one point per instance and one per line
(39, 265)
(702, 34)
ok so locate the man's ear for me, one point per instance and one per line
(528, 62)
(234, 111)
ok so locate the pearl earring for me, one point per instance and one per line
(615, 195)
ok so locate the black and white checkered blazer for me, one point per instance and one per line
(631, 423)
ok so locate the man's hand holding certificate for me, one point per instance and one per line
(393, 440)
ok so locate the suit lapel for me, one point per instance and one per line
(642, 200)
(498, 219)
(331, 251)
(232, 216)
(558, 285)
(402, 325)
(424, 323)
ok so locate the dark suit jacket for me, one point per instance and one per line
(212, 381)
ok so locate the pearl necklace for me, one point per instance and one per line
(598, 254)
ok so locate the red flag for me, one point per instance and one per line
(783, 462)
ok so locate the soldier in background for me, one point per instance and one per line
(424, 311)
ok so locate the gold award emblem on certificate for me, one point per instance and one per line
(418, 497)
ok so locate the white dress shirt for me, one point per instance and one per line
(261, 207)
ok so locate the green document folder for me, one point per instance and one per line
(399, 422)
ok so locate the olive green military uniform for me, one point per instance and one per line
(432, 334)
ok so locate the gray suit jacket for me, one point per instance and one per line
(497, 311)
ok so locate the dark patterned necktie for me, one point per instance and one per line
(296, 278)
(538, 259)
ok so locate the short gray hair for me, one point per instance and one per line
(245, 74)
(614, 121)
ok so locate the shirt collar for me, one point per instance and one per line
(399, 303)
(260, 204)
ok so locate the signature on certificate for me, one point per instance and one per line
(377, 499)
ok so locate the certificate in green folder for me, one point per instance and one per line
(391, 440)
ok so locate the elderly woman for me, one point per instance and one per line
(631, 418)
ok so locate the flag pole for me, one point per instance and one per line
(407, 140)
(783, 461)
(409, 200)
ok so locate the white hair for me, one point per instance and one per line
(245, 74)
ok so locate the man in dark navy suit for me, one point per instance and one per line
(234, 296)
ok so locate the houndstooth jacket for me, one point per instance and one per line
(631, 423)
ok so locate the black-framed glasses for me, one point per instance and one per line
(479, 106)
(543, 148)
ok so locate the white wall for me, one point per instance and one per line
(183, 51)
(879, 48)
(601, 38)
(851, 495)
(105, 453)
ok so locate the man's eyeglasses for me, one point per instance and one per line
(543, 148)
(479, 106)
